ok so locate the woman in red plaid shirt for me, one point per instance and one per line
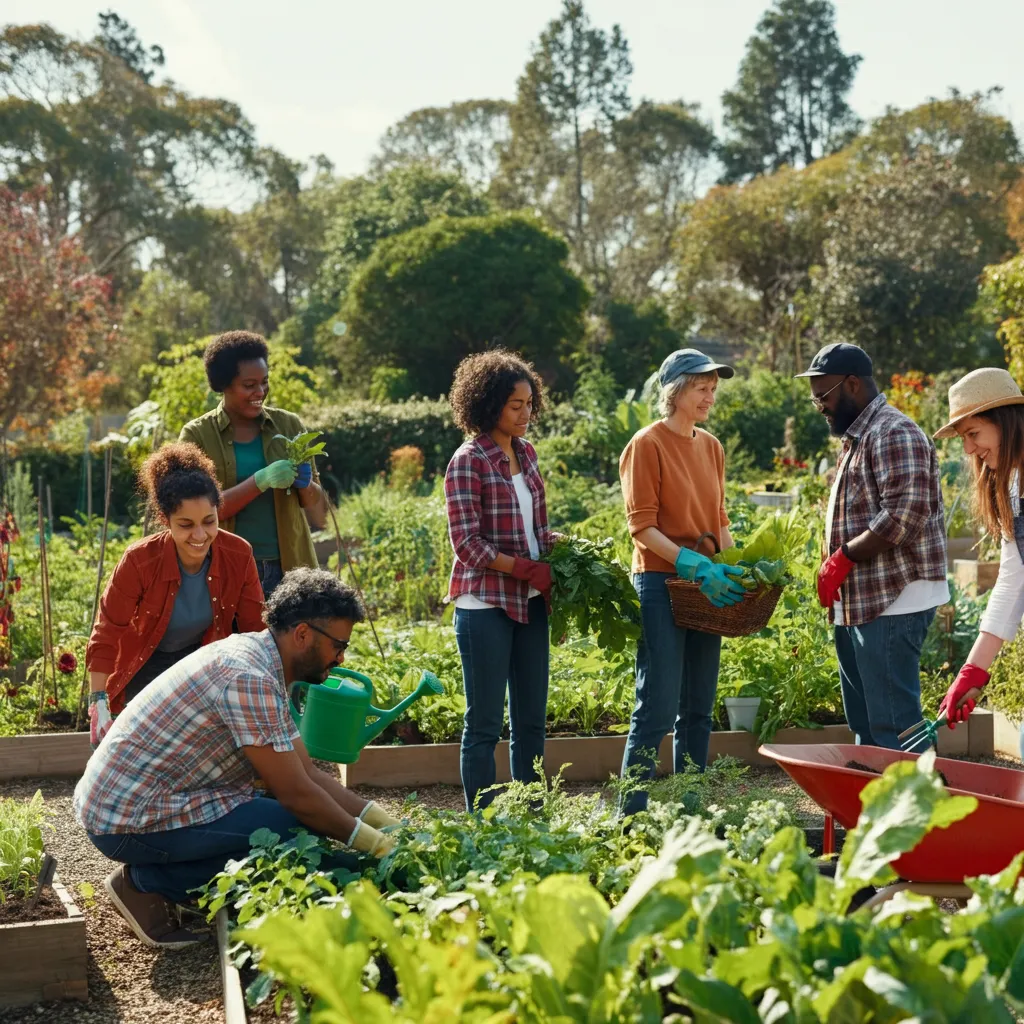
(498, 525)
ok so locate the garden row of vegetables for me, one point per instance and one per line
(400, 546)
(548, 908)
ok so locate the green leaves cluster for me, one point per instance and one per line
(301, 448)
(592, 593)
(705, 930)
(21, 844)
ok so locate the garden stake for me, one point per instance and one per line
(44, 879)
(355, 578)
(44, 597)
(108, 457)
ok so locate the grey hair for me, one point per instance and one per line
(670, 392)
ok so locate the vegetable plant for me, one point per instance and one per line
(303, 447)
(592, 593)
(709, 929)
(21, 844)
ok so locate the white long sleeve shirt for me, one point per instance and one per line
(1006, 602)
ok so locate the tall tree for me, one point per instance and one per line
(901, 266)
(118, 154)
(365, 211)
(574, 88)
(746, 252)
(789, 106)
(431, 296)
(465, 138)
(55, 316)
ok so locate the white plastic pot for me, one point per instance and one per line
(742, 712)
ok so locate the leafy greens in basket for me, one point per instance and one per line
(768, 551)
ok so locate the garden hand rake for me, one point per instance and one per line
(925, 734)
(921, 736)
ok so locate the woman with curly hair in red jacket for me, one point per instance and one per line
(171, 593)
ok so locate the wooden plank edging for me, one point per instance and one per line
(231, 981)
(50, 755)
(45, 960)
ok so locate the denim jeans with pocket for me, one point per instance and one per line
(880, 675)
(501, 655)
(174, 862)
(676, 683)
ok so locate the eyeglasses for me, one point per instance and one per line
(339, 645)
(819, 400)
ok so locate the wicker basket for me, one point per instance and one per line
(692, 610)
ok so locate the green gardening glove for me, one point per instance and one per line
(278, 474)
(718, 583)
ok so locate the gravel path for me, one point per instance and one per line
(132, 984)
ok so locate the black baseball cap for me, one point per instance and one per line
(841, 360)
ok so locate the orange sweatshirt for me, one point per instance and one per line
(676, 484)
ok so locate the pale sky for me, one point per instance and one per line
(327, 77)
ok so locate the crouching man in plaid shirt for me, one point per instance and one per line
(169, 792)
(884, 568)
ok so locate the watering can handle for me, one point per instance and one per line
(291, 696)
(357, 676)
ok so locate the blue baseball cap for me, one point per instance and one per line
(839, 359)
(690, 360)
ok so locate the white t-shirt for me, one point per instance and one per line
(525, 498)
(916, 596)
(1005, 609)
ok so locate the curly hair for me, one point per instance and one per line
(222, 356)
(484, 383)
(306, 594)
(175, 473)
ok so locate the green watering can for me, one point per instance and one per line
(333, 726)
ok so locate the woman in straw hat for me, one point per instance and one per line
(986, 409)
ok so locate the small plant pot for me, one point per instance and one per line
(742, 712)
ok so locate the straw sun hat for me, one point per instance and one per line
(987, 388)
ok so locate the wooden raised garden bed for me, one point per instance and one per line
(50, 755)
(44, 960)
(595, 758)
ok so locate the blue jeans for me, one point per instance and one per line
(676, 681)
(880, 674)
(499, 653)
(270, 574)
(172, 863)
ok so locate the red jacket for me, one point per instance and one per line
(137, 604)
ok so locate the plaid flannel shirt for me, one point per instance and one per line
(484, 521)
(174, 757)
(890, 485)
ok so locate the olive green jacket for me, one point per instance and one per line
(212, 433)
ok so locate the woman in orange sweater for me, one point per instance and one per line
(172, 592)
(673, 484)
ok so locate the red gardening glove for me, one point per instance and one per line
(963, 695)
(537, 574)
(831, 575)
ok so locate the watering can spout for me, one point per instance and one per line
(428, 684)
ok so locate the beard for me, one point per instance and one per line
(843, 416)
(310, 668)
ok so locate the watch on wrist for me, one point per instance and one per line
(97, 695)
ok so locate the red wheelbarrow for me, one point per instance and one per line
(983, 843)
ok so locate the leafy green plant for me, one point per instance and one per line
(302, 447)
(592, 593)
(742, 930)
(21, 844)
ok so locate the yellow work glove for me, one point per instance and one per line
(375, 815)
(366, 839)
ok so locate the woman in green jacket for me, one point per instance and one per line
(266, 499)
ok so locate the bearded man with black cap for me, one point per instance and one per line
(883, 569)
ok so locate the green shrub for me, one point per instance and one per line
(754, 410)
(361, 435)
(63, 470)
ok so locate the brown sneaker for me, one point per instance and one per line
(152, 917)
